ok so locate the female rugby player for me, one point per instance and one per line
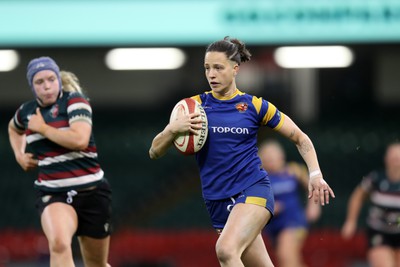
(73, 196)
(236, 189)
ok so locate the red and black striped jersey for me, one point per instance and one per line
(61, 168)
(384, 209)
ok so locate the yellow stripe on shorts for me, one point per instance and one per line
(260, 201)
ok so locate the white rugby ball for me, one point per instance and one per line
(189, 143)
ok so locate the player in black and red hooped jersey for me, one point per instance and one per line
(381, 189)
(74, 198)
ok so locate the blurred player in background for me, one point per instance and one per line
(236, 189)
(73, 195)
(288, 229)
(382, 188)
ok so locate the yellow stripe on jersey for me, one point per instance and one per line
(257, 102)
(270, 114)
(197, 98)
(280, 122)
(260, 201)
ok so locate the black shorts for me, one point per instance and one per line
(376, 238)
(92, 206)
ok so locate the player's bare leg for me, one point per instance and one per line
(256, 253)
(290, 243)
(59, 223)
(382, 256)
(244, 225)
(94, 251)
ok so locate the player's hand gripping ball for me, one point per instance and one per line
(188, 143)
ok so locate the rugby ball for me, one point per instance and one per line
(189, 143)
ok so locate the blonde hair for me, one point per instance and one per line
(70, 83)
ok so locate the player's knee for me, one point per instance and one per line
(225, 252)
(224, 255)
(59, 245)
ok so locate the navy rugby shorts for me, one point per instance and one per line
(93, 208)
(259, 194)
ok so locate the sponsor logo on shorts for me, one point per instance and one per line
(106, 227)
(46, 199)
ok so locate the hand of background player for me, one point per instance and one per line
(348, 229)
(27, 161)
(319, 190)
(37, 123)
(313, 211)
(186, 123)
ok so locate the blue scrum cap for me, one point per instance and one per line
(39, 64)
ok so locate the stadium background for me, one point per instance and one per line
(159, 216)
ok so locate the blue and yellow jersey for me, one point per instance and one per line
(60, 168)
(228, 162)
(287, 191)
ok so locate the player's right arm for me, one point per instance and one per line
(18, 145)
(355, 204)
(182, 124)
(161, 143)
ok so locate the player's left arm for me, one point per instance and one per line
(318, 189)
(76, 137)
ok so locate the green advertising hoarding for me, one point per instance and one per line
(192, 22)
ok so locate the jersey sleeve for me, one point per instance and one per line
(200, 97)
(79, 109)
(18, 119)
(270, 115)
(197, 98)
(369, 181)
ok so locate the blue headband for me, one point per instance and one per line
(39, 64)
